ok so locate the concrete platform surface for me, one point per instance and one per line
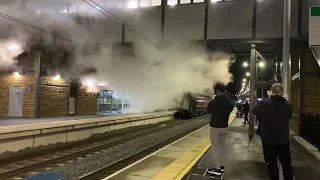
(9, 121)
(171, 162)
(17, 137)
(246, 162)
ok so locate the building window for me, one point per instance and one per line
(198, 1)
(185, 1)
(144, 3)
(172, 2)
(132, 4)
(156, 3)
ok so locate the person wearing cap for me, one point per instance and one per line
(274, 116)
(220, 108)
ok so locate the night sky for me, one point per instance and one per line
(238, 73)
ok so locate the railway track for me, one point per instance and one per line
(123, 162)
(14, 167)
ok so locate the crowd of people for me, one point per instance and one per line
(273, 114)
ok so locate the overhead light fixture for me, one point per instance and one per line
(245, 64)
(247, 74)
(261, 64)
(65, 11)
(244, 80)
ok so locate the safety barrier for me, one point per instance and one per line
(310, 128)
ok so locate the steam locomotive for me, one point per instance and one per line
(192, 105)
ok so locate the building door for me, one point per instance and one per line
(16, 101)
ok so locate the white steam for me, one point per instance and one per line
(151, 80)
(157, 80)
(9, 49)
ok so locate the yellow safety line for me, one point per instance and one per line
(196, 159)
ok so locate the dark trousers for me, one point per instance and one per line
(281, 152)
(246, 117)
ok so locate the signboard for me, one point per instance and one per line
(314, 26)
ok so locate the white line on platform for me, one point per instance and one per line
(133, 164)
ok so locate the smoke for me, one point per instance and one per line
(157, 79)
(151, 79)
(9, 49)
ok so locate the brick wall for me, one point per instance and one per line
(311, 88)
(54, 99)
(312, 94)
(295, 86)
(312, 84)
(7, 80)
(86, 103)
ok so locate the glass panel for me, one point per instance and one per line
(132, 4)
(144, 3)
(156, 3)
(172, 2)
(185, 1)
(198, 1)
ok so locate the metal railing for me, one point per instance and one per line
(310, 128)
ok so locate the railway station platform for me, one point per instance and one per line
(171, 162)
(189, 158)
(38, 133)
(246, 161)
(11, 121)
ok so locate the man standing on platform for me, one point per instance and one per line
(220, 108)
(246, 112)
(274, 114)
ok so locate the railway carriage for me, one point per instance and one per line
(192, 105)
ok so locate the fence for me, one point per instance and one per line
(310, 128)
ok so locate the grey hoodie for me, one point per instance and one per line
(220, 108)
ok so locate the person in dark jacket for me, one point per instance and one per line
(246, 112)
(274, 114)
(220, 108)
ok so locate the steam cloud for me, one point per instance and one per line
(152, 80)
(9, 49)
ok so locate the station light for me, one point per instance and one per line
(16, 74)
(261, 64)
(247, 74)
(66, 11)
(244, 80)
(245, 64)
(57, 77)
(13, 47)
(89, 83)
(214, 1)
